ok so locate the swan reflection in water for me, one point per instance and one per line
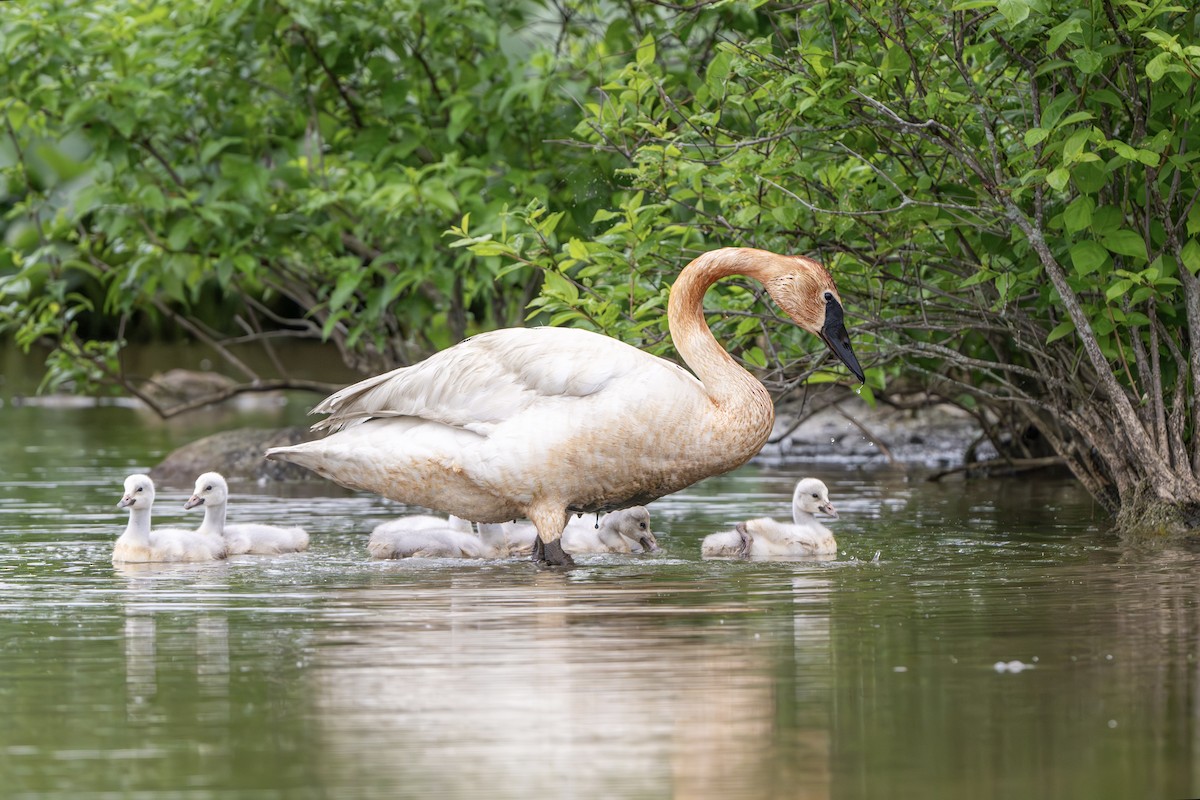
(462, 681)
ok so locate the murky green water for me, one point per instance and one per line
(327, 675)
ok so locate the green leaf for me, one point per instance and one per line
(1190, 255)
(1060, 330)
(1147, 157)
(214, 147)
(1088, 178)
(1078, 215)
(460, 116)
(1058, 178)
(1035, 136)
(578, 250)
(1158, 66)
(1078, 116)
(1015, 11)
(646, 51)
(347, 282)
(1088, 61)
(1059, 33)
(181, 233)
(559, 286)
(1124, 242)
(896, 61)
(718, 71)
(1087, 257)
(1119, 288)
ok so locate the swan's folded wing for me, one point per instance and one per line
(492, 377)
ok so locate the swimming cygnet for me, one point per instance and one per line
(244, 537)
(766, 537)
(417, 537)
(623, 531)
(140, 544)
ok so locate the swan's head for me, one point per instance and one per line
(634, 523)
(812, 496)
(139, 493)
(805, 290)
(211, 490)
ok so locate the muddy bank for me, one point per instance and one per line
(849, 431)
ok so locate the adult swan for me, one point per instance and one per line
(543, 422)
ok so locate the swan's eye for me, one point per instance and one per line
(138, 489)
(209, 489)
(815, 495)
(829, 297)
(642, 525)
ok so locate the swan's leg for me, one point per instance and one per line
(547, 547)
(747, 541)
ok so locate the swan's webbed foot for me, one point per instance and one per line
(747, 541)
(551, 553)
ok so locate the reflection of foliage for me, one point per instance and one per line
(1005, 192)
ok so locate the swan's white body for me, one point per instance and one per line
(427, 536)
(242, 538)
(140, 543)
(765, 537)
(542, 422)
(443, 542)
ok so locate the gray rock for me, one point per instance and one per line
(236, 454)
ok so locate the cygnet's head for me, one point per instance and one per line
(139, 493)
(634, 523)
(211, 490)
(813, 496)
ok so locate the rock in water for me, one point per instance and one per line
(235, 454)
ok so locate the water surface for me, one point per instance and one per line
(1002, 645)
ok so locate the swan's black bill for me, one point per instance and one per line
(833, 333)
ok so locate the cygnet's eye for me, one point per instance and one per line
(642, 525)
(815, 495)
(138, 489)
(209, 489)
(829, 297)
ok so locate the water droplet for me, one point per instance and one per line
(832, 440)
(1112, 723)
(858, 391)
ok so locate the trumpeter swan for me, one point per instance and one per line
(544, 422)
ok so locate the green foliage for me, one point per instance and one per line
(298, 161)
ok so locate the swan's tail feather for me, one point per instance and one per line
(297, 454)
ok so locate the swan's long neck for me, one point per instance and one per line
(138, 529)
(731, 389)
(214, 519)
